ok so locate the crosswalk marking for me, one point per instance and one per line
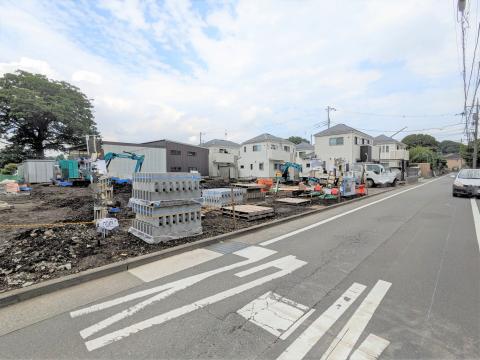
(346, 339)
(302, 345)
(371, 348)
(286, 265)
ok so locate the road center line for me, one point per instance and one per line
(302, 345)
(346, 339)
(292, 233)
(476, 219)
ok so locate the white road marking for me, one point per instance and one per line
(302, 345)
(251, 253)
(346, 339)
(312, 226)
(173, 264)
(294, 327)
(286, 265)
(476, 220)
(371, 348)
(273, 313)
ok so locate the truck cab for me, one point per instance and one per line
(374, 174)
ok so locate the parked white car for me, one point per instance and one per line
(375, 174)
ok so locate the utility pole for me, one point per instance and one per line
(328, 109)
(201, 137)
(475, 136)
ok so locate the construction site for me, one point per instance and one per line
(81, 217)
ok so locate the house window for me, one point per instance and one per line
(175, 152)
(175, 169)
(276, 166)
(301, 153)
(191, 153)
(363, 141)
(273, 146)
(251, 166)
(242, 167)
(223, 151)
(368, 142)
(387, 148)
(260, 166)
(308, 165)
(398, 147)
(356, 140)
(244, 149)
(335, 141)
(286, 148)
(192, 169)
(256, 147)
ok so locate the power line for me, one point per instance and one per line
(443, 127)
(399, 115)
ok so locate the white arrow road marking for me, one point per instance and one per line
(476, 219)
(302, 345)
(273, 313)
(281, 237)
(346, 339)
(251, 253)
(287, 265)
(371, 348)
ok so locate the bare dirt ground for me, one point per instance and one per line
(31, 253)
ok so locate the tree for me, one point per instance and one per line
(423, 140)
(9, 169)
(466, 152)
(38, 114)
(297, 140)
(420, 154)
(449, 147)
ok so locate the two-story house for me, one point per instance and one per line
(341, 145)
(222, 158)
(262, 156)
(390, 152)
(304, 154)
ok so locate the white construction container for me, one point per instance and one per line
(38, 171)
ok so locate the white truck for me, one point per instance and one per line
(374, 174)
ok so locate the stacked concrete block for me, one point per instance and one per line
(223, 196)
(103, 196)
(167, 206)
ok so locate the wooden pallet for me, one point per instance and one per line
(293, 201)
(249, 212)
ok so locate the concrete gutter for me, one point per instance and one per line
(49, 286)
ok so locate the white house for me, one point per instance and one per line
(340, 146)
(389, 152)
(261, 156)
(304, 154)
(222, 158)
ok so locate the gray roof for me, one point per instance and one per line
(340, 129)
(220, 142)
(266, 137)
(304, 146)
(384, 139)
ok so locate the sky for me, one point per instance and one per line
(235, 69)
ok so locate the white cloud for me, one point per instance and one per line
(27, 64)
(274, 65)
(87, 76)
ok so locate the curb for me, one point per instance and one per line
(18, 295)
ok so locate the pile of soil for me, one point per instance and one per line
(36, 253)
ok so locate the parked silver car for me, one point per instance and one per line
(467, 183)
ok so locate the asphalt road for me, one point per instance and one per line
(393, 277)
